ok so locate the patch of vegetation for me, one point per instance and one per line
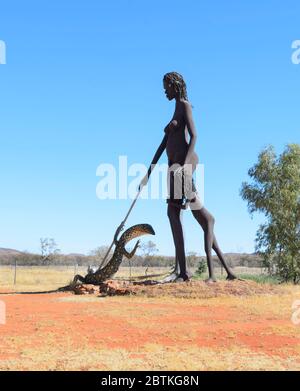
(202, 268)
(274, 190)
(260, 278)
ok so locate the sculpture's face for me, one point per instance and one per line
(169, 89)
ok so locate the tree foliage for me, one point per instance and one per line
(99, 252)
(148, 248)
(49, 249)
(275, 191)
(202, 267)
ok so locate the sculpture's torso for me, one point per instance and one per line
(177, 143)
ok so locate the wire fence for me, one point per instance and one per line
(60, 275)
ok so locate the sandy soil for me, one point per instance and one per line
(227, 326)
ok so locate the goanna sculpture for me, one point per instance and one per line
(112, 266)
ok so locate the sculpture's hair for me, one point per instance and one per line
(177, 81)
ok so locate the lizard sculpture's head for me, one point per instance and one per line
(137, 230)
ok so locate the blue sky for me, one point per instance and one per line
(83, 85)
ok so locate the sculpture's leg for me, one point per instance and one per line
(207, 221)
(216, 248)
(176, 227)
(78, 278)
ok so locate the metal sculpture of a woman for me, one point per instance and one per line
(182, 161)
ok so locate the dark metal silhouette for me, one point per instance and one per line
(182, 161)
(114, 263)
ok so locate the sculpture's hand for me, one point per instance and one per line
(119, 229)
(144, 182)
(188, 167)
(179, 171)
(184, 173)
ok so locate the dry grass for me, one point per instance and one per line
(151, 357)
(39, 278)
(199, 289)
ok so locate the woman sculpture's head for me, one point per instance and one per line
(174, 86)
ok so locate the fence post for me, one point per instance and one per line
(130, 269)
(75, 268)
(15, 273)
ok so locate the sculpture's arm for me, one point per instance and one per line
(188, 116)
(155, 159)
(158, 154)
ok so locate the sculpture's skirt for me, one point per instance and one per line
(181, 189)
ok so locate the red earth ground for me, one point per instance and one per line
(227, 326)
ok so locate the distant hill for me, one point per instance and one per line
(75, 255)
(9, 256)
(7, 251)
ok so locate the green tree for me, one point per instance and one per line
(275, 191)
(202, 267)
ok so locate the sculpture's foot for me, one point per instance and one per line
(77, 278)
(171, 278)
(210, 280)
(183, 278)
(231, 277)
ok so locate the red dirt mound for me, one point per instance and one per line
(190, 289)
